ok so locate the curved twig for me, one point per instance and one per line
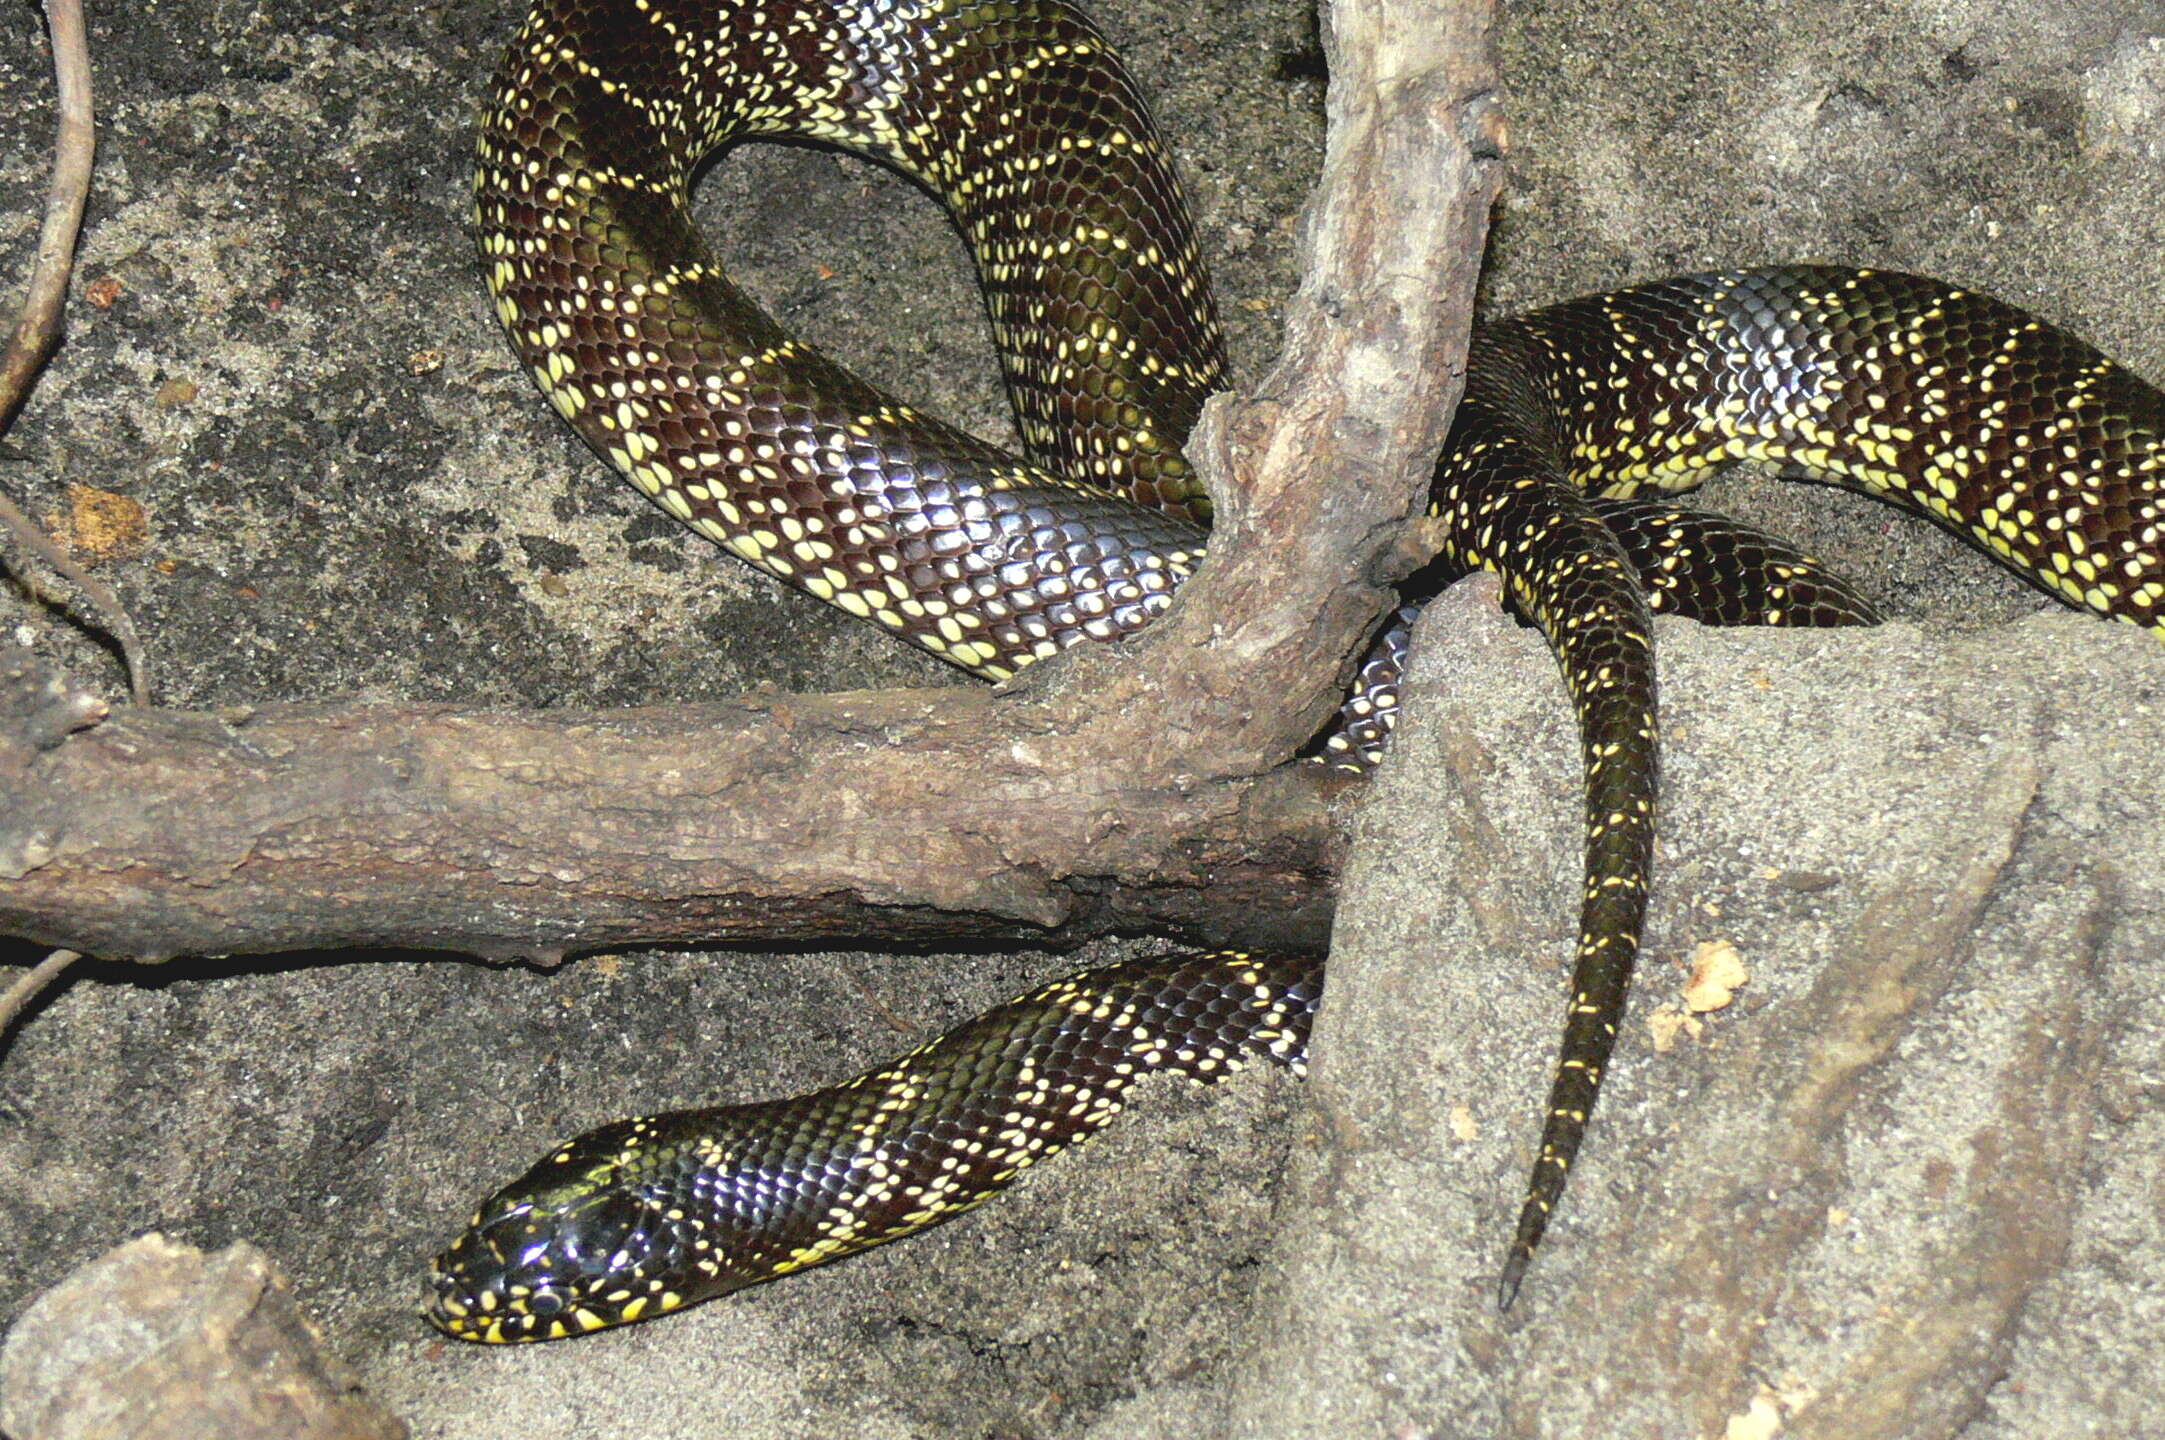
(40, 978)
(37, 327)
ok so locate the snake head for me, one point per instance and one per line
(601, 1232)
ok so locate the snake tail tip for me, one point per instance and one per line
(1507, 1284)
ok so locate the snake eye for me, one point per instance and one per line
(544, 1303)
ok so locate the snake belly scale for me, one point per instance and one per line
(1017, 115)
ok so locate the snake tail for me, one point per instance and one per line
(646, 1216)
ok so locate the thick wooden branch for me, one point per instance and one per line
(1100, 794)
(904, 815)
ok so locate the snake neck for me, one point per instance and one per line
(645, 1216)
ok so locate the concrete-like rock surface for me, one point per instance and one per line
(345, 487)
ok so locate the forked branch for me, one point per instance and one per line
(1103, 792)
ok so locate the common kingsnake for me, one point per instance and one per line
(1016, 114)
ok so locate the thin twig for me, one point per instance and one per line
(37, 328)
(110, 612)
(29, 987)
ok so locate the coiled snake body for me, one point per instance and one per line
(1992, 423)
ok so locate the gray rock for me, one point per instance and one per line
(158, 1341)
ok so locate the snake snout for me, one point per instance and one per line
(495, 1283)
(530, 1269)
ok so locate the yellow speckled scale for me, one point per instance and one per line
(1996, 425)
(629, 325)
(2011, 433)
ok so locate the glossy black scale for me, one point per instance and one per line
(1992, 423)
